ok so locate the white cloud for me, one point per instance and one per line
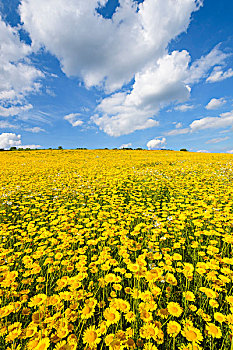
(126, 145)
(231, 151)
(35, 129)
(17, 76)
(177, 132)
(154, 88)
(225, 119)
(178, 125)
(131, 46)
(29, 146)
(50, 92)
(218, 74)
(225, 131)
(6, 125)
(215, 103)
(156, 143)
(101, 50)
(217, 140)
(200, 68)
(8, 140)
(14, 110)
(203, 151)
(157, 86)
(72, 119)
(12, 48)
(184, 108)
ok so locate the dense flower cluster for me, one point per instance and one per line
(116, 250)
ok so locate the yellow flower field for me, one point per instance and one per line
(116, 250)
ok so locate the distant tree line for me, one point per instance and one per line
(13, 148)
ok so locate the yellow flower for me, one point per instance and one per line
(218, 316)
(111, 315)
(149, 331)
(87, 312)
(174, 309)
(37, 300)
(192, 307)
(213, 303)
(173, 328)
(14, 331)
(130, 316)
(163, 313)
(43, 344)
(62, 332)
(30, 330)
(189, 296)
(110, 278)
(209, 292)
(192, 334)
(170, 278)
(213, 330)
(62, 345)
(146, 316)
(229, 299)
(149, 346)
(91, 336)
(109, 339)
(229, 319)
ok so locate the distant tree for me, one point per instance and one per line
(2, 149)
(13, 148)
(183, 150)
(60, 147)
(139, 149)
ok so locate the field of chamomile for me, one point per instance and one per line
(116, 250)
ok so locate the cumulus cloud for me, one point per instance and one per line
(157, 86)
(126, 145)
(35, 129)
(129, 47)
(225, 119)
(73, 120)
(102, 50)
(8, 140)
(215, 103)
(203, 151)
(217, 140)
(184, 108)
(156, 143)
(230, 151)
(17, 76)
(218, 74)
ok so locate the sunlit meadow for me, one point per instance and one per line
(116, 250)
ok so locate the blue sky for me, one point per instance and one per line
(96, 74)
